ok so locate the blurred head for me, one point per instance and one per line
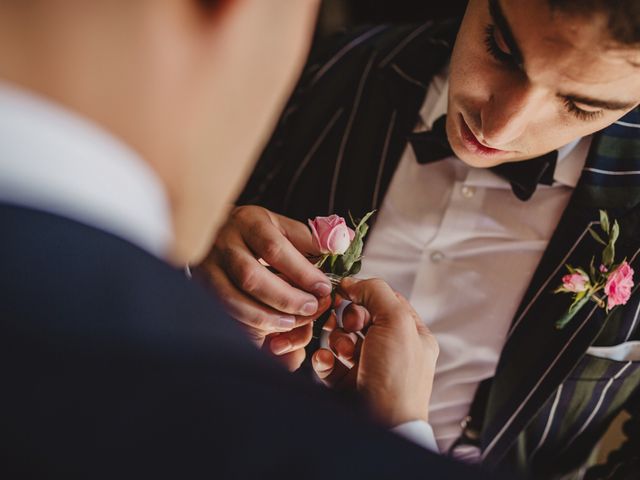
(193, 85)
(529, 76)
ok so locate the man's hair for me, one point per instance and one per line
(624, 16)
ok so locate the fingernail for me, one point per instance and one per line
(287, 323)
(309, 308)
(280, 345)
(322, 289)
(342, 346)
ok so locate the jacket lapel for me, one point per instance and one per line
(537, 357)
(390, 111)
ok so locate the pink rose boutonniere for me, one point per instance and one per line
(341, 246)
(331, 234)
(608, 286)
(341, 249)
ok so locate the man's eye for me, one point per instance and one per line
(581, 113)
(500, 53)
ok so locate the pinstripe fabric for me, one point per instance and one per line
(349, 119)
(594, 390)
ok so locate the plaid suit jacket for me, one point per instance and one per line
(335, 150)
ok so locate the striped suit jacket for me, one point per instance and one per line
(336, 149)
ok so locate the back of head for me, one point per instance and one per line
(192, 85)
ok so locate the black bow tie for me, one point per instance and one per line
(523, 176)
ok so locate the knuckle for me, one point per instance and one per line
(248, 280)
(260, 321)
(271, 250)
(432, 344)
(375, 284)
(242, 213)
(244, 274)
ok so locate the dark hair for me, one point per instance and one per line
(624, 16)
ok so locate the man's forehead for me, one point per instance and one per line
(571, 49)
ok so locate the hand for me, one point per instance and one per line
(264, 301)
(393, 367)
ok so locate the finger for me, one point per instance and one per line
(337, 300)
(298, 234)
(331, 373)
(257, 281)
(377, 297)
(293, 360)
(279, 245)
(355, 318)
(296, 339)
(419, 323)
(427, 337)
(343, 345)
(261, 319)
(331, 323)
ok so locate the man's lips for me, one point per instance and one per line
(471, 142)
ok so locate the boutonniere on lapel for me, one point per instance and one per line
(341, 246)
(341, 249)
(608, 285)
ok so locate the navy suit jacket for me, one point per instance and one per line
(114, 365)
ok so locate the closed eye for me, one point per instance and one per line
(495, 50)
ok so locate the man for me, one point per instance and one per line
(126, 127)
(540, 91)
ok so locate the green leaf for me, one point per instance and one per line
(364, 219)
(615, 233)
(579, 296)
(571, 312)
(604, 221)
(355, 269)
(608, 255)
(354, 252)
(353, 221)
(592, 269)
(323, 259)
(597, 237)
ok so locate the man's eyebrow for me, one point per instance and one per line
(495, 10)
(596, 103)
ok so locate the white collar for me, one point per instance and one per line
(56, 161)
(571, 157)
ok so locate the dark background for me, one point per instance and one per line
(339, 14)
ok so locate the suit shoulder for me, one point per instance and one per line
(341, 50)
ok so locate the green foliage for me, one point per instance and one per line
(604, 221)
(597, 279)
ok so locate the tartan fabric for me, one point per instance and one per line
(350, 117)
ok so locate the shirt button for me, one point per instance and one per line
(437, 256)
(468, 192)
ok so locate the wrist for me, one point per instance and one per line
(392, 413)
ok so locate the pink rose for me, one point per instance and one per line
(331, 234)
(619, 285)
(575, 282)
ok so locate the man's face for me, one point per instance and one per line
(526, 80)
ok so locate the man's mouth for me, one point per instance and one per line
(472, 144)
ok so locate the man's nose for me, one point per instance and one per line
(508, 112)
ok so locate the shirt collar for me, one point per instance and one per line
(56, 161)
(571, 157)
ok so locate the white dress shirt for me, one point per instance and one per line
(462, 248)
(58, 162)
